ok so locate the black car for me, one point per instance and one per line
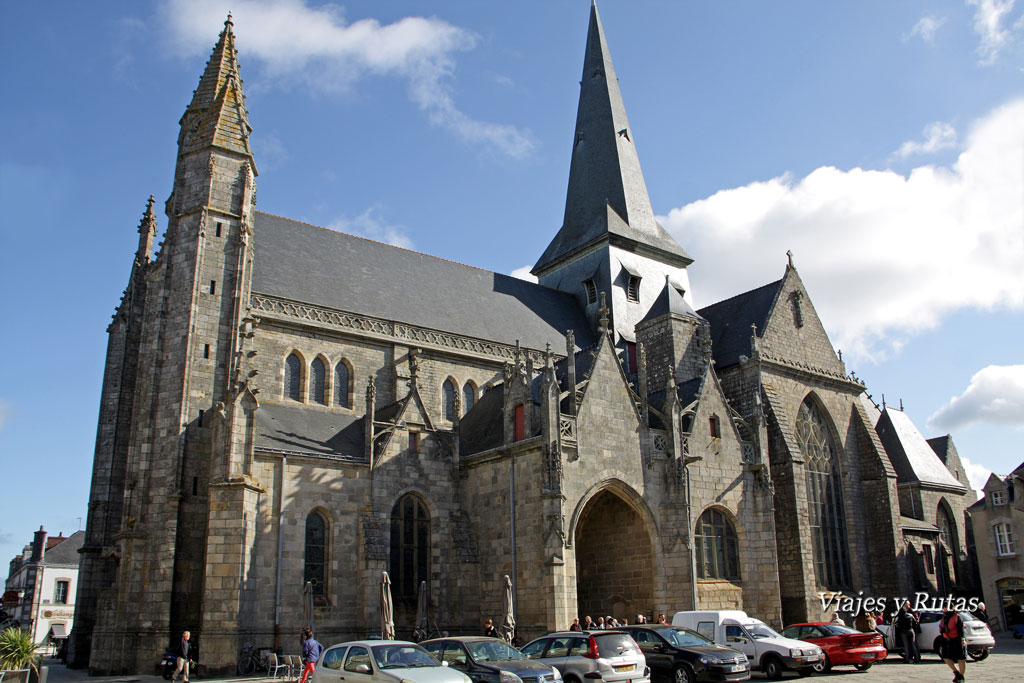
(489, 660)
(680, 655)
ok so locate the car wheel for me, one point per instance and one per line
(684, 674)
(977, 653)
(823, 665)
(862, 667)
(772, 667)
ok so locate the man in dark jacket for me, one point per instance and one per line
(905, 633)
(182, 652)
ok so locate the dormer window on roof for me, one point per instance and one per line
(999, 497)
(633, 288)
(591, 289)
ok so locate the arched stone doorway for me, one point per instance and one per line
(614, 562)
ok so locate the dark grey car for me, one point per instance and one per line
(586, 656)
(489, 660)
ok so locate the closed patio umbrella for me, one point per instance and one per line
(387, 617)
(307, 607)
(422, 609)
(508, 621)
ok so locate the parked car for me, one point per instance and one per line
(382, 661)
(490, 660)
(612, 656)
(767, 650)
(843, 646)
(977, 635)
(680, 655)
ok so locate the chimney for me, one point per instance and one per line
(38, 543)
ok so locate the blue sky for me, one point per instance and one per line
(881, 142)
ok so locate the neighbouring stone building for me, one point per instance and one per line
(283, 403)
(998, 521)
(41, 583)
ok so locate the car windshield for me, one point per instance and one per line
(487, 650)
(684, 637)
(402, 656)
(761, 631)
(837, 630)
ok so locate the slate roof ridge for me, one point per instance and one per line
(774, 283)
(395, 246)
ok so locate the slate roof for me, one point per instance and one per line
(65, 552)
(911, 456)
(917, 524)
(941, 444)
(669, 301)
(731, 320)
(314, 265)
(307, 431)
(607, 195)
(481, 428)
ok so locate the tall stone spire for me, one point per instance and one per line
(217, 115)
(607, 198)
(147, 233)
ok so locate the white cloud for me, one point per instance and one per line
(523, 273)
(988, 24)
(884, 255)
(369, 226)
(314, 46)
(937, 136)
(5, 414)
(925, 28)
(977, 474)
(994, 396)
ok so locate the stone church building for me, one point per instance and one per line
(284, 403)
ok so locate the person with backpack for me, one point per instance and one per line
(952, 649)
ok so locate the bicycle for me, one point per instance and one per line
(248, 661)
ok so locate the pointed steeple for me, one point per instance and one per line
(607, 197)
(217, 115)
(147, 233)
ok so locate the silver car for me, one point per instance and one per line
(382, 661)
(611, 656)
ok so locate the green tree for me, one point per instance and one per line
(17, 651)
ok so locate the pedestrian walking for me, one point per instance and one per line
(905, 622)
(311, 651)
(952, 649)
(182, 652)
(489, 629)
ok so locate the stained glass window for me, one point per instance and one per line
(718, 554)
(410, 546)
(318, 380)
(316, 553)
(341, 386)
(448, 400)
(468, 397)
(293, 377)
(824, 497)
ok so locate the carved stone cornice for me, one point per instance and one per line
(806, 370)
(295, 312)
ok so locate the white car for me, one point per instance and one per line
(976, 633)
(382, 661)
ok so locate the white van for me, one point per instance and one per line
(766, 649)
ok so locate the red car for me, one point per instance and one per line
(842, 645)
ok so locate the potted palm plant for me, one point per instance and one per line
(18, 655)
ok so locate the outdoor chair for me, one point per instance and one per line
(274, 666)
(294, 666)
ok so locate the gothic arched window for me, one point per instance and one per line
(718, 555)
(824, 497)
(947, 529)
(318, 381)
(316, 554)
(448, 400)
(410, 546)
(293, 377)
(468, 397)
(342, 396)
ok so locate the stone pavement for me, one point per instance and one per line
(1004, 665)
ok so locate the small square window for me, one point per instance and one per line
(714, 427)
(926, 553)
(999, 497)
